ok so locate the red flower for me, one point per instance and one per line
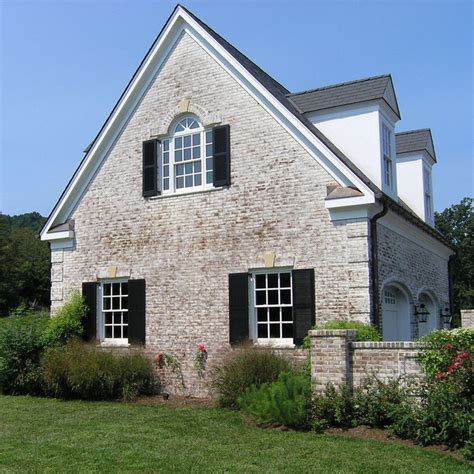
(440, 375)
(201, 348)
(159, 357)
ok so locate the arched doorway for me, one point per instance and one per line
(395, 314)
(432, 319)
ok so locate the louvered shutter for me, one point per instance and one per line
(89, 293)
(150, 168)
(221, 155)
(303, 303)
(238, 307)
(136, 311)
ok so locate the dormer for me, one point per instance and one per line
(359, 117)
(415, 159)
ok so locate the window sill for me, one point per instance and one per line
(185, 193)
(275, 344)
(114, 344)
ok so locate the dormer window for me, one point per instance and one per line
(428, 194)
(186, 157)
(387, 157)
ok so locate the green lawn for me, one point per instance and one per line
(38, 434)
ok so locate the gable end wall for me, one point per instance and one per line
(185, 246)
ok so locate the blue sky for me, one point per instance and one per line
(65, 63)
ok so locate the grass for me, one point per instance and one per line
(39, 434)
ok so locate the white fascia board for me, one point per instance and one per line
(361, 211)
(114, 125)
(50, 236)
(179, 22)
(347, 202)
(411, 232)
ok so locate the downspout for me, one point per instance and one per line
(457, 321)
(374, 266)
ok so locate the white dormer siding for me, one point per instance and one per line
(366, 135)
(415, 184)
(415, 159)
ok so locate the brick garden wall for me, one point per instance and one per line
(337, 359)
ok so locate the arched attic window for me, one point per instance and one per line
(186, 158)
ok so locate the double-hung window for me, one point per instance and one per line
(387, 156)
(273, 306)
(186, 158)
(113, 298)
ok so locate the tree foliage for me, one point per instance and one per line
(24, 263)
(456, 223)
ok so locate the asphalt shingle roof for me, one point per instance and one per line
(415, 140)
(363, 90)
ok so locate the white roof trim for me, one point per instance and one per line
(179, 22)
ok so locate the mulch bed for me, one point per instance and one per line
(376, 434)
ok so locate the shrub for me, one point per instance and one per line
(20, 352)
(333, 408)
(67, 323)
(380, 404)
(365, 332)
(441, 347)
(284, 401)
(244, 367)
(79, 370)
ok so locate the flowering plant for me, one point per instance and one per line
(200, 358)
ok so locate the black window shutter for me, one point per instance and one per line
(89, 293)
(221, 155)
(238, 307)
(303, 303)
(150, 168)
(136, 311)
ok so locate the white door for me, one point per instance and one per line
(395, 315)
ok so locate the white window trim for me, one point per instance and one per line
(173, 191)
(111, 342)
(284, 343)
(428, 194)
(387, 159)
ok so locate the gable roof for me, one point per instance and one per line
(415, 140)
(303, 133)
(347, 93)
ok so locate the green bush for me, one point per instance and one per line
(244, 367)
(365, 332)
(441, 347)
(79, 370)
(333, 408)
(284, 401)
(380, 404)
(67, 323)
(20, 352)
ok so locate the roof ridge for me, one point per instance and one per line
(233, 47)
(355, 81)
(414, 131)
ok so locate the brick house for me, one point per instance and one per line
(214, 206)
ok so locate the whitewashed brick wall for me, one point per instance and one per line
(414, 267)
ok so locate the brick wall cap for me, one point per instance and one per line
(387, 345)
(332, 333)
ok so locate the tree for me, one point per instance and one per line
(24, 263)
(456, 223)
